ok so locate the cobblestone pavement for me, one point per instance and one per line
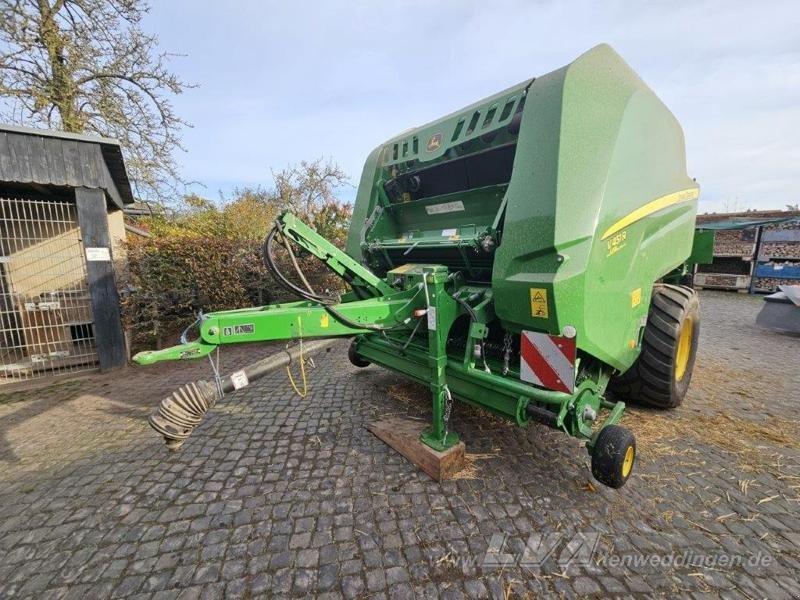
(279, 496)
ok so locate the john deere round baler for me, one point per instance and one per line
(516, 255)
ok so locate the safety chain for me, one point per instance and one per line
(483, 357)
(507, 339)
(448, 406)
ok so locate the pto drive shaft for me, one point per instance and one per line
(177, 415)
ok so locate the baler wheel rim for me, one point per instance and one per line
(684, 348)
(627, 462)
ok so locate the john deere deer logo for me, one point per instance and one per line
(435, 142)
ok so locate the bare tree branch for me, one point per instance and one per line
(87, 66)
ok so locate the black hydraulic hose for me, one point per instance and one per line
(474, 319)
(293, 258)
(270, 260)
(541, 415)
(472, 314)
(324, 300)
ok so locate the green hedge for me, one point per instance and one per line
(170, 279)
(208, 255)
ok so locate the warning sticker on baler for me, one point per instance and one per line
(435, 142)
(539, 303)
(636, 297)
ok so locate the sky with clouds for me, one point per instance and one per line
(280, 82)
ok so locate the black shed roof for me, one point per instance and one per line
(56, 158)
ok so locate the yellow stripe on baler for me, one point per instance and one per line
(651, 207)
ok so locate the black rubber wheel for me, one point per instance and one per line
(661, 374)
(355, 358)
(613, 456)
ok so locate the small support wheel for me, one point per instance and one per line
(613, 456)
(355, 359)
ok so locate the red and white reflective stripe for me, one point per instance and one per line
(548, 361)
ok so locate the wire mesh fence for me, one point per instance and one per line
(46, 323)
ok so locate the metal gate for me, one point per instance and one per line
(46, 323)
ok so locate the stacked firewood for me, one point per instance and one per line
(780, 249)
(720, 280)
(733, 243)
(770, 284)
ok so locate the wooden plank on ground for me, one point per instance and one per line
(402, 434)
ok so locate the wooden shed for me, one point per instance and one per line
(61, 224)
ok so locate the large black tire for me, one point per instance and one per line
(661, 374)
(355, 359)
(613, 456)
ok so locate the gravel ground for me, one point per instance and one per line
(278, 496)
